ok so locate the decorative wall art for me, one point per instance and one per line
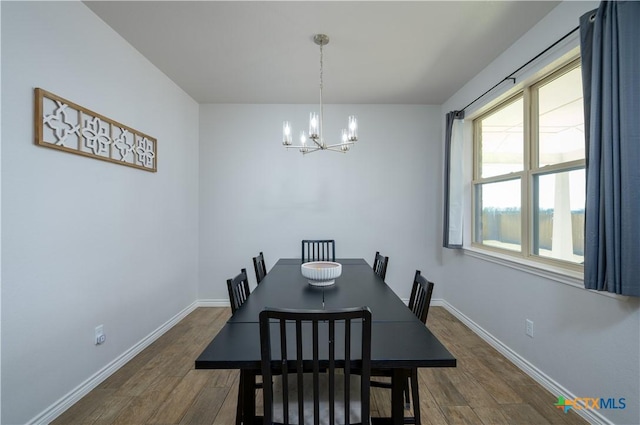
(64, 125)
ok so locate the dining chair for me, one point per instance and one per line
(238, 288)
(420, 297)
(380, 265)
(419, 301)
(260, 267)
(318, 250)
(298, 387)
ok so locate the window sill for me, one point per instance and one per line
(568, 277)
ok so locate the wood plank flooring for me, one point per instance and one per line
(160, 385)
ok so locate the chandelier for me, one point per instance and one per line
(314, 141)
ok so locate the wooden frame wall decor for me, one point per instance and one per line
(66, 126)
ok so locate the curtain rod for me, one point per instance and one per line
(511, 76)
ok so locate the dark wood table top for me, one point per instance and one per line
(393, 345)
(399, 339)
(285, 287)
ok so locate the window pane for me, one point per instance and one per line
(498, 214)
(559, 215)
(561, 119)
(501, 147)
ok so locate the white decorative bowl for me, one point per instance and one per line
(321, 273)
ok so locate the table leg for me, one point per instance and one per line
(397, 396)
(248, 386)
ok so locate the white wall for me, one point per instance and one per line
(585, 342)
(256, 196)
(87, 242)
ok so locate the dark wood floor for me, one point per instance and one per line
(160, 385)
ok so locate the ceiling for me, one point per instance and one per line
(380, 52)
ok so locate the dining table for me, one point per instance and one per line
(399, 341)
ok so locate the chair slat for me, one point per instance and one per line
(332, 371)
(347, 368)
(299, 367)
(265, 354)
(285, 369)
(316, 375)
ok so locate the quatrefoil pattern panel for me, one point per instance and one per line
(64, 125)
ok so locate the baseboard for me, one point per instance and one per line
(213, 303)
(591, 416)
(435, 302)
(57, 408)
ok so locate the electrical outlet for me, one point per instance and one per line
(100, 337)
(529, 328)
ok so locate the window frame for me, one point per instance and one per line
(531, 170)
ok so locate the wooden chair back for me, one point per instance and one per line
(293, 342)
(420, 296)
(380, 265)
(238, 290)
(260, 267)
(318, 250)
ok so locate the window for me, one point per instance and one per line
(529, 172)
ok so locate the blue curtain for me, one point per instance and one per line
(610, 50)
(453, 181)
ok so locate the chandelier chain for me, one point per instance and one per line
(321, 104)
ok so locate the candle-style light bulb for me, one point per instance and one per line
(303, 142)
(345, 138)
(353, 128)
(286, 133)
(314, 124)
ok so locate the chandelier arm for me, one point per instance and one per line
(328, 148)
(303, 147)
(311, 150)
(317, 142)
(340, 144)
(333, 148)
